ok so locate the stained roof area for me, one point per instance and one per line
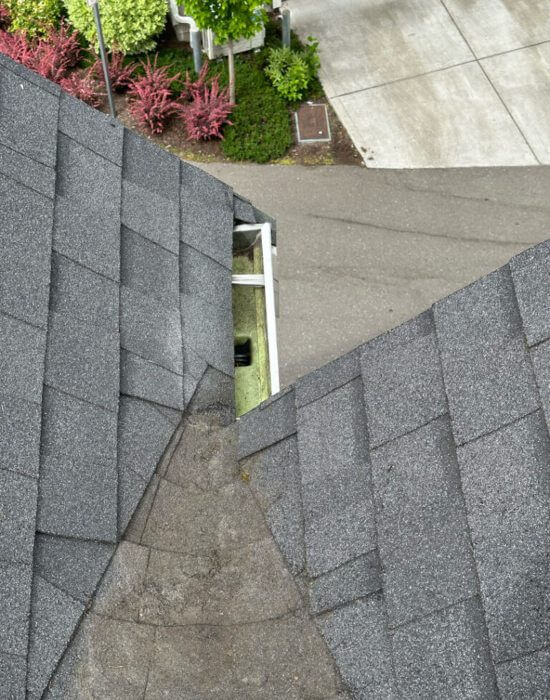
(115, 298)
(408, 487)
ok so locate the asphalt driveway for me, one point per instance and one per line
(362, 250)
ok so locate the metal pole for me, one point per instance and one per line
(197, 54)
(94, 4)
(285, 15)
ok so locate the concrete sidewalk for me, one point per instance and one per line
(362, 250)
(436, 83)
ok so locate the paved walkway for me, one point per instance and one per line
(362, 250)
(436, 83)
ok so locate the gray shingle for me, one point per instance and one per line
(541, 362)
(357, 637)
(531, 275)
(143, 434)
(131, 487)
(19, 435)
(487, 372)
(151, 329)
(78, 498)
(91, 238)
(83, 360)
(83, 294)
(209, 329)
(206, 214)
(91, 128)
(332, 433)
(17, 517)
(25, 237)
(145, 380)
(445, 655)
(86, 179)
(244, 211)
(155, 217)
(422, 528)
(526, 677)
(331, 376)
(29, 76)
(22, 350)
(53, 619)
(354, 579)
(506, 484)
(148, 268)
(275, 480)
(28, 118)
(15, 584)
(266, 425)
(403, 381)
(215, 394)
(340, 525)
(201, 276)
(13, 676)
(150, 167)
(27, 172)
(74, 566)
(74, 428)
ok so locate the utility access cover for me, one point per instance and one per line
(312, 123)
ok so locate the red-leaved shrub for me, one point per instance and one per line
(56, 53)
(18, 47)
(4, 17)
(85, 87)
(51, 56)
(205, 116)
(151, 101)
(196, 88)
(120, 74)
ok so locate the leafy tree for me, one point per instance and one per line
(230, 20)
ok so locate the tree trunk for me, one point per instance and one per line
(231, 63)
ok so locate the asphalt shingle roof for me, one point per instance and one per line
(423, 461)
(406, 483)
(115, 298)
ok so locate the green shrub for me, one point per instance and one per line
(293, 72)
(129, 26)
(33, 16)
(261, 128)
(289, 73)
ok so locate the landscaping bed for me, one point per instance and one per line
(159, 94)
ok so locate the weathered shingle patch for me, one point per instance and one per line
(331, 376)
(15, 584)
(18, 496)
(28, 118)
(488, 375)
(267, 424)
(526, 677)
(422, 530)
(54, 616)
(148, 267)
(531, 275)
(26, 234)
(94, 130)
(403, 380)
(445, 655)
(72, 565)
(355, 579)
(20, 422)
(357, 634)
(507, 488)
(22, 350)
